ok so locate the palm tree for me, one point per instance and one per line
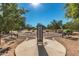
(55, 25)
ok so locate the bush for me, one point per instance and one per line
(68, 31)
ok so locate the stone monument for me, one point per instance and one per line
(39, 34)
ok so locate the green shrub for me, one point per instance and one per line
(68, 31)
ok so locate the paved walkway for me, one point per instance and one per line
(54, 48)
(50, 48)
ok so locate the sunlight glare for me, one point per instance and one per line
(35, 4)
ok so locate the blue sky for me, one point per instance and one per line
(44, 13)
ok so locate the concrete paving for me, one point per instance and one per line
(50, 48)
(54, 48)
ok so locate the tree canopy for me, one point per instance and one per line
(12, 18)
(72, 11)
(55, 25)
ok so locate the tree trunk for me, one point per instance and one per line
(0, 40)
(11, 34)
(17, 35)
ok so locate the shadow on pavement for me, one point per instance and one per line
(42, 51)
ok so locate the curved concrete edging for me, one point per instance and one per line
(29, 48)
(26, 48)
(57, 47)
(64, 47)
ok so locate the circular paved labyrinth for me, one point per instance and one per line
(49, 48)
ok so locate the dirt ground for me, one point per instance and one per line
(12, 44)
(72, 46)
(10, 52)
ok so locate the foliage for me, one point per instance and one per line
(44, 27)
(69, 31)
(13, 16)
(54, 25)
(72, 11)
(30, 27)
(71, 25)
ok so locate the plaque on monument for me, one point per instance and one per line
(39, 34)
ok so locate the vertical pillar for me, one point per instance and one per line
(39, 34)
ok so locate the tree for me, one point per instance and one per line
(72, 11)
(1, 27)
(39, 24)
(1, 22)
(29, 27)
(71, 26)
(12, 18)
(54, 25)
